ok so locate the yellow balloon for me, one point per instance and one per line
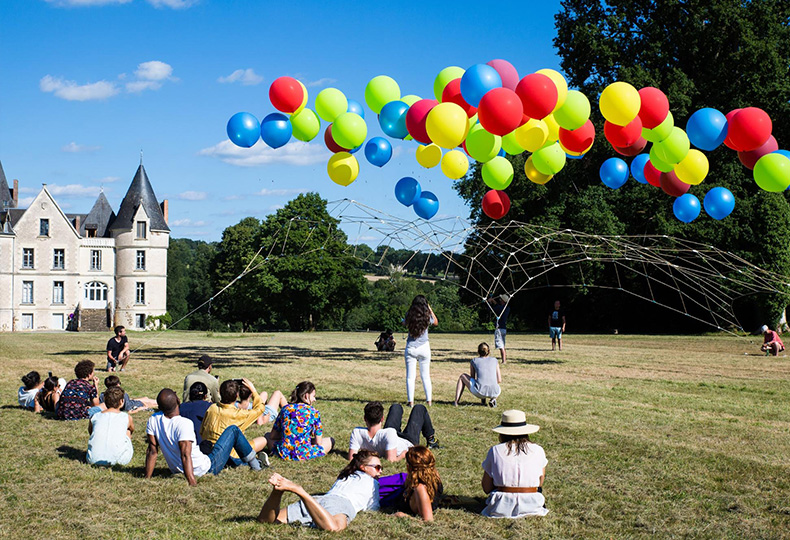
(620, 103)
(447, 125)
(535, 175)
(575, 154)
(429, 156)
(304, 101)
(560, 82)
(693, 168)
(532, 135)
(343, 168)
(554, 128)
(454, 164)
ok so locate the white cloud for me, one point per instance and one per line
(138, 86)
(71, 91)
(320, 82)
(275, 207)
(86, 3)
(192, 196)
(280, 192)
(25, 201)
(173, 4)
(108, 179)
(78, 148)
(73, 190)
(247, 77)
(293, 153)
(187, 223)
(154, 71)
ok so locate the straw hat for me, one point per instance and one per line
(514, 422)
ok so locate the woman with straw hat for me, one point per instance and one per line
(514, 470)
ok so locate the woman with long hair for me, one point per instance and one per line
(514, 470)
(418, 350)
(356, 489)
(423, 485)
(297, 434)
(47, 399)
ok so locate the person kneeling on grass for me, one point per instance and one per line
(483, 378)
(388, 440)
(130, 405)
(423, 485)
(110, 441)
(772, 343)
(175, 435)
(356, 489)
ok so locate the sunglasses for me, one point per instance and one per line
(379, 468)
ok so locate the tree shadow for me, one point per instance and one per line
(538, 362)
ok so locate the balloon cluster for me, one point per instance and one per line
(409, 193)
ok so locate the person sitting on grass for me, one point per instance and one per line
(772, 343)
(423, 485)
(483, 378)
(388, 440)
(175, 435)
(32, 384)
(110, 441)
(48, 397)
(385, 342)
(273, 405)
(130, 405)
(195, 409)
(203, 374)
(297, 434)
(118, 350)
(355, 490)
(80, 397)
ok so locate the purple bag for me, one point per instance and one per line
(391, 487)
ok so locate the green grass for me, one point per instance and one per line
(669, 437)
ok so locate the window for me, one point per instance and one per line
(59, 259)
(95, 259)
(141, 229)
(57, 292)
(27, 258)
(27, 321)
(96, 291)
(140, 290)
(91, 233)
(27, 292)
(139, 320)
(43, 227)
(140, 260)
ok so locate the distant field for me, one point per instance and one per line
(646, 437)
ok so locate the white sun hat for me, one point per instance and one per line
(514, 422)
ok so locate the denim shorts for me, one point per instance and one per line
(270, 413)
(555, 332)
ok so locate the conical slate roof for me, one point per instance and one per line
(100, 217)
(6, 201)
(140, 193)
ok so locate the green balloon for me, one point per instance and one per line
(661, 131)
(306, 125)
(575, 112)
(675, 147)
(549, 159)
(510, 144)
(482, 145)
(658, 161)
(772, 172)
(380, 91)
(330, 103)
(498, 173)
(349, 130)
(445, 76)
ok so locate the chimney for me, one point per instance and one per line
(164, 210)
(15, 193)
(77, 223)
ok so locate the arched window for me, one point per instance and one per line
(95, 294)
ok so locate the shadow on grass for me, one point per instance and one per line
(539, 362)
(69, 452)
(241, 519)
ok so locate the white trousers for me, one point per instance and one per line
(421, 354)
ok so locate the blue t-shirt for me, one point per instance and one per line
(195, 411)
(502, 311)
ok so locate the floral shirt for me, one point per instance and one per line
(298, 423)
(76, 399)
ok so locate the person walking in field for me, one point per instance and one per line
(418, 350)
(556, 326)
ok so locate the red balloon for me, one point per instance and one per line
(654, 108)
(652, 175)
(452, 94)
(415, 119)
(749, 129)
(749, 159)
(623, 136)
(538, 95)
(727, 141)
(330, 142)
(506, 71)
(672, 185)
(286, 94)
(496, 204)
(500, 111)
(632, 150)
(578, 140)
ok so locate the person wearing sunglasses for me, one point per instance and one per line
(355, 490)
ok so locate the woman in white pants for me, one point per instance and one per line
(419, 317)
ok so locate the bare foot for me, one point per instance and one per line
(275, 480)
(281, 483)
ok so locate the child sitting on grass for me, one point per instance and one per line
(130, 405)
(110, 441)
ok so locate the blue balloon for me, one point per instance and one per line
(356, 108)
(570, 156)
(686, 208)
(476, 81)
(614, 172)
(785, 153)
(502, 152)
(407, 190)
(638, 168)
(276, 130)
(707, 129)
(378, 151)
(719, 202)
(244, 129)
(355, 150)
(426, 205)
(392, 119)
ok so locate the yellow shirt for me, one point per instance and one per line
(221, 415)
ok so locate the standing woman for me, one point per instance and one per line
(419, 317)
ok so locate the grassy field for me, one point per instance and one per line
(669, 437)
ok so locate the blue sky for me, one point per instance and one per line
(86, 84)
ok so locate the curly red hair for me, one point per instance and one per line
(421, 466)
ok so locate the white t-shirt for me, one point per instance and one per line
(168, 432)
(27, 398)
(360, 488)
(384, 439)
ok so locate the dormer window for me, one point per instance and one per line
(90, 231)
(142, 229)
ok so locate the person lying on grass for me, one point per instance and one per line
(130, 405)
(110, 431)
(388, 440)
(423, 485)
(27, 394)
(175, 435)
(356, 489)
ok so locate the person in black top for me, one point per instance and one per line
(385, 342)
(118, 350)
(556, 326)
(423, 487)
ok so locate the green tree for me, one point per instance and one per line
(188, 280)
